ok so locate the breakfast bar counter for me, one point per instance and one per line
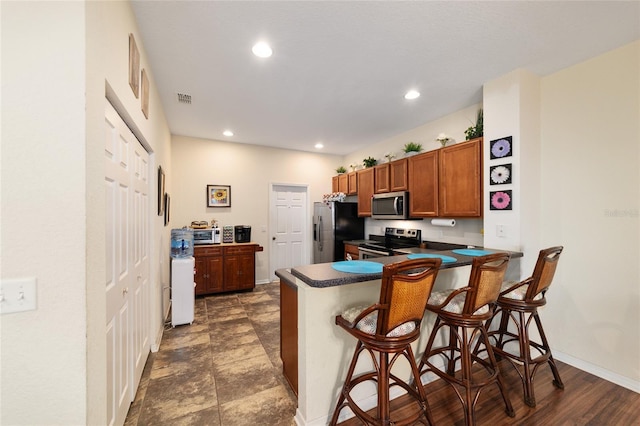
(325, 274)
(321, 292)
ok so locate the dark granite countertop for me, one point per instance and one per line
(323, 275)
(358, 242)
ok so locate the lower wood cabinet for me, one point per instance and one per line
(209, 270)
(289, 333)
(225, 268)
(239, 268)
(352, 250)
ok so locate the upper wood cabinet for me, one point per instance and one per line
(423, 184)
(335, 184)
(381, 180)
(460, 172)
(353, 183)
(343, 183)
(447, 182)
(366, 179)
(398, 175)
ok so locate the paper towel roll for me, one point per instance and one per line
(443, 222)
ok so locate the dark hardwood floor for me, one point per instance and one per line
(585, 400)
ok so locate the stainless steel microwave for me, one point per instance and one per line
(392, 205)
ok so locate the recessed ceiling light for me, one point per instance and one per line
(262, 50)
(319, 146)
(227, 133)
(412, 94)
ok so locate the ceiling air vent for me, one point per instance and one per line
(183, 98)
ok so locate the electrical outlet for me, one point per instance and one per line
(17, 295)
(501, 231)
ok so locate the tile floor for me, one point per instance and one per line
(222, 370)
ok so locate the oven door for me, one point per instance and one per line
(369, 253)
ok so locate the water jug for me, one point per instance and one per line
(181, 243)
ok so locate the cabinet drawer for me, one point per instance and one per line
(239, 250)
(207, 251)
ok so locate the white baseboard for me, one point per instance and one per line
(603, 373)
(263, 282)
(155, 346)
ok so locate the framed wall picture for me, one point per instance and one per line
(160, 191)
(218, 196)
(500, 175)
(167, 208)
(500, 200)
(501, 148)
(134, 66)
(144, 98)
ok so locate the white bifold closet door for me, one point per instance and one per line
(127, 287)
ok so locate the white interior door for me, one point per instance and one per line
(289, 227)
(140, 293)
(127, 264)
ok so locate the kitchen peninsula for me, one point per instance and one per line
(321, 351)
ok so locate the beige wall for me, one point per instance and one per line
(57, 59)
(43, 363)
(590, 204)
(249, 169)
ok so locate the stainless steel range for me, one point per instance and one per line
(387, 245)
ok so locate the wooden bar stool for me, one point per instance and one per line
(388, 328)
(462, 312)
(518, 305)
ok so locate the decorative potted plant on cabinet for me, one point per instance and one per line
(476, 131)
(369, 162)
(340, 170)
(411, 148)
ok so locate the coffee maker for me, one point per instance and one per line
(242, 233)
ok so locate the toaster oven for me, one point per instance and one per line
(203, 236)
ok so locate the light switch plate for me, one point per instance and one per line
(17, 295)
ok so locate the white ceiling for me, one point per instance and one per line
(340, 68)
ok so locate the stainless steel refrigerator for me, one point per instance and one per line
(333, 224)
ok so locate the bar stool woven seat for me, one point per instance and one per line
(518, 305)
(461, 316)
(385, 331)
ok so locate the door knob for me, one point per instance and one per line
(273, 238)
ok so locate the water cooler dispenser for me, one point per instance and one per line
(182, 275)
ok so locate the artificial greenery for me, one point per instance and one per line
(412, 147)
(477, 130)
(341, 169)
(370, 162)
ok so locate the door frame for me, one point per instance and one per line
(306, 256)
